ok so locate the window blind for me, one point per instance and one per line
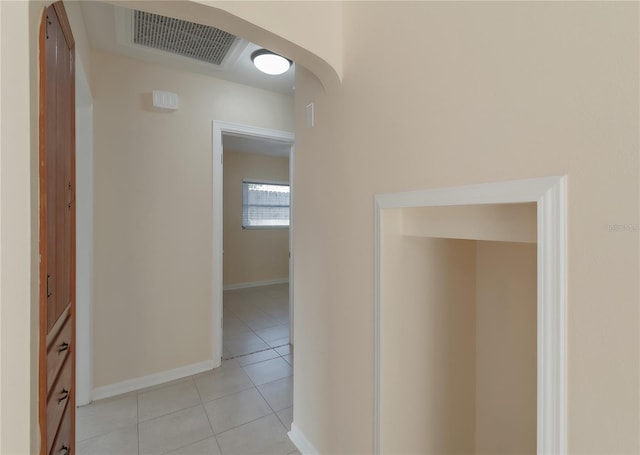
(265, 205)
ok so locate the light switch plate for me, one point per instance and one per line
(165, 100)
(310, 115)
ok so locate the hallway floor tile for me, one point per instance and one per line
(242, 408)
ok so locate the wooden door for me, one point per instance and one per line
(57, 234)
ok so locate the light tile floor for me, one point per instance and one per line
(255, 319)
(244, 407)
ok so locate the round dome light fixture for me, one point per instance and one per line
(269, 62)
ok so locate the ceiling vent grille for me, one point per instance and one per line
(197, 41)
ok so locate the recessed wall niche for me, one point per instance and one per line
(458, 329)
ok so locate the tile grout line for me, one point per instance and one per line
(258, 385)
(213, 433)
(247, 423)
(257, 352)
(192, 443)
(271, 407)
(265, 400)
(262, 339)
(202, 403)
(171, 384)
(253, 385)
(228, 394)
(181, 410)
(115, 430)
(175, 411)
(242, 424)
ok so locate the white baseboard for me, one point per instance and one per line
(131, 385)
(254, 284)
(301, 441)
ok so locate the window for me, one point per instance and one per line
(265, 205)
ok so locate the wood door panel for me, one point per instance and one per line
(50, 163)
(58, 348)
(64, 443)
(57, 402)
(58, 142)
(56, 392)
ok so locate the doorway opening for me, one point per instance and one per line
(256, 212)
(472, 281)
(257, 299)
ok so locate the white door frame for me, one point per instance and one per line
(550, 195)
(219, 129)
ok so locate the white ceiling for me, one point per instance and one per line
(106, 28)
(245, 144)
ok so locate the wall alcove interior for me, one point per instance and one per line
(470, 336)
(460, 330)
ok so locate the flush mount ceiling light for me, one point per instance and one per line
(269, 62)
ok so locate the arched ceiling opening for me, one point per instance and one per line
(309, 33)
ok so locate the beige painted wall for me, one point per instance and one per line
(500, 91)
(251, 254)
(19, 27)
(506, 349)
(153, 215)
(503, 222)
(311, 237)
(427, 343)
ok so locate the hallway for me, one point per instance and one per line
(243, 407)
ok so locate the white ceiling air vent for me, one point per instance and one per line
(196, 41)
